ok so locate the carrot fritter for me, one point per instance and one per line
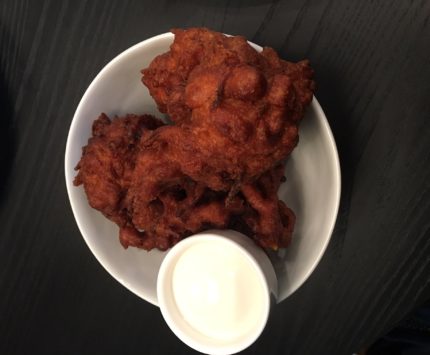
(129, 175)
(235, 116)
(108, 161)
(239, 108)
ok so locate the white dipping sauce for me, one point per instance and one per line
(218, 291)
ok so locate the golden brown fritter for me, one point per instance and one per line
(169, 205)
(128, 175)
(236, 114)
(240, 109)
(108, 160)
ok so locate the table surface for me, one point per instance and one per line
(372, 63)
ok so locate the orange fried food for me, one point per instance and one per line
(169, 205)
(235, 116)
(239, 109)
(128, 175)
(108, 160)
(270, 220)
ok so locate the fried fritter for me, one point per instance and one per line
(240, 109)
(128, 175)
(108, 160)
(169, 205)
(235, 116)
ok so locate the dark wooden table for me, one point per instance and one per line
(372, 62)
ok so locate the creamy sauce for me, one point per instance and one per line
(218, 291)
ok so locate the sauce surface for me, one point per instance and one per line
(218, 291)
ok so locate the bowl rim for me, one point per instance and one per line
(338, 184)
(69, 177)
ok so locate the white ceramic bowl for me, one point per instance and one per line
(219, 291)
(312, 188)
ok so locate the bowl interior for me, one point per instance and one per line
(312, 188)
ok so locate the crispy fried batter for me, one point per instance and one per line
(108, 161)
(240, 108)
(236, 114)
(129, 176)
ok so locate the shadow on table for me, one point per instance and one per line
(8, 47)
(233, 4)
(7, 141)
(410, 337)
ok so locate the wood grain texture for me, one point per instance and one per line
(372, 62)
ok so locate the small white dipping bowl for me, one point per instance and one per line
(214, 290)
